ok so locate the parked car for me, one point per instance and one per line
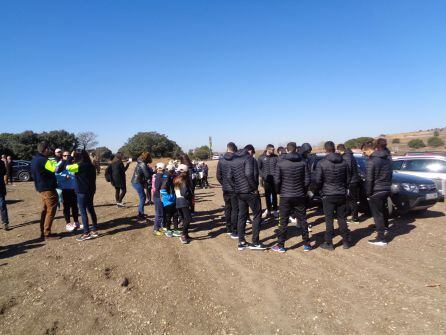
(21, 170)
(408, 193)
(216, 157)
(432, 167)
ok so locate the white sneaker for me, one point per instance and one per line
(120, 204)
(265, 214)
(70, 227)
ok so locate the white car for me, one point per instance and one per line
(216, 157)
(432, 167)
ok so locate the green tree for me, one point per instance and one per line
(159, 145)
(396, 141)
(435, 142)
(416, 144)
(59, 139)
(357, 142)
(202, 152)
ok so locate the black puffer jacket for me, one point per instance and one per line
(141, 174)
(378, 173)
(2, 180)
(332, 175)
(353, 165)
(223, 167)
(267, 165)
(244, 174)
(291, 177)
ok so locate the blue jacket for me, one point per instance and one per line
(66, 180)
(42, 170)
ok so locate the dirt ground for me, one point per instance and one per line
(208, 287)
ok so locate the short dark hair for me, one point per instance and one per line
(341, 147)
(381, 143)
(329, 146)
(291, 147)
(367, 145)
(231, 147)
(269, 146)
(250, 147)
(42, 146)
(280, 150)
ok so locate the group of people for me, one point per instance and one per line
(290, 174)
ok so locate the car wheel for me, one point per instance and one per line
(24, 176)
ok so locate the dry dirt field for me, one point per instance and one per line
(208, 287)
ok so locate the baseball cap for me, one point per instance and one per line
(170, 167)
(57, 151)
(160, 165)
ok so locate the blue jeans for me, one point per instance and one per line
(142, 197)
(85, 202)
(4, 210)
(159, 213)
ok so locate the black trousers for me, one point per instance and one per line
(70, 205)
(120, 193)
(231, 211)
(378, 207)
(270, 193)
(186, 218)
(246, 201)
(335, 206)
(353, 200)
(296, 207)
(170, 214)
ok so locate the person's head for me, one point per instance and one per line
(65, 155)
(341, 148)
(9, 158)
(3, 157)
(368, 148)
(160, 167)
(269, 150)
(291, 147)
(281, 150)
(58, 153)
(250, 149)
(329, 147)
(92, 155)
(170, 168)
(231, 147)
(184, 159)
(381, 144)
(306, 148)
(119, 156)
(43, 148)
(145, 157)
(82, 157)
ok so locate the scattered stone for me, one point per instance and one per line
(124, 282)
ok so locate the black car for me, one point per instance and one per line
(21, 170)
(408, 193)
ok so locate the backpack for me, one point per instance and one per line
(108, 174)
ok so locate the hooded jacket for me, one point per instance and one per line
(2, 180)
(243, 173)
(332, 175)
(291, 177)
(141, 174)
(267, 165)
(353, 166)
(222, 175)
(378, 173)
(42, 171)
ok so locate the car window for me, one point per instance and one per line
(425, 165)
(397, 165)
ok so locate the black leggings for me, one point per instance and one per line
(186, 217)
(120, 193)
(70, 203)
(170, 214)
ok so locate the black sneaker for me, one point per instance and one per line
(327, 246)
(7, 227)
(257, 246)
(242, 246)
(346, 245)
(378, 242)
(234, 236)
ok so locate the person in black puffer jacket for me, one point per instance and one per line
(378, 181)
(229, 196)
(354, 188)
(292, 179)
(118, 170)
(244, 177)
(3, 208)
(267, 165)
(139, 181)
(332, 178)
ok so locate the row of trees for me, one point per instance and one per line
(434, 142)
(201, 153)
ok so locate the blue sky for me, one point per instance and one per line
(247, 71)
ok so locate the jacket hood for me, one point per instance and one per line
(348, 152)
(228, 156)
(241, 153)
(381, 154)
(334, 157)
(292, 156)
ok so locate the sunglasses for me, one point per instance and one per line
(65, 155)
